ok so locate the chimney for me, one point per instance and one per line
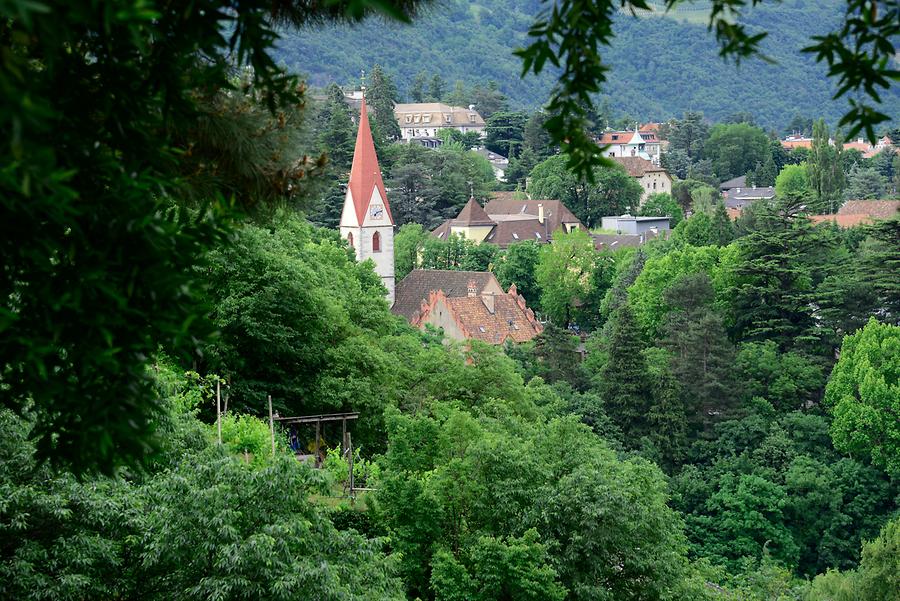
(488, 299)
(473, 288)
(541, 213)
(471, 107)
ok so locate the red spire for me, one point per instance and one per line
(365, 174)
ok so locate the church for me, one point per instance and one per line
(366, 221)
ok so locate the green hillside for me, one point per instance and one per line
(662, 65)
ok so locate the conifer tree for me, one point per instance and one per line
(722, 229)
(381, 95)
(701, 352)
(826, 174)
(623, 382)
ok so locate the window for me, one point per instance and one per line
(447, 118)
(472, 118)
(426, 118)
(515, 235)
(350, 239)
(376, 242)
(409, 118)
(418, 118)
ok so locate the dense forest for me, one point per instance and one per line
(661, 66)
(710, 416)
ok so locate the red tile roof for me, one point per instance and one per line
(844, 221)
(510, 318)
(365, 174)
(415, 287)
(878, 209)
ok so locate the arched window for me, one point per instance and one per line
(350, 239)
(376, 242)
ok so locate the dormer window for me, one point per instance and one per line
(471, 117)
(409, 118)
(417, 118)
(426, 118)
(447, 118)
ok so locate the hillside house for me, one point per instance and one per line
(507, 221)
(421, 121)
(652, 178)
(641, 144)
(635, 226)
(737, 198)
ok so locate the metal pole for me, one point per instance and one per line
(272, 425)
(219, 409)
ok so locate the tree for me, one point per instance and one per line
(459, 96)
(661, 204)
(504, 132)
(409, 242)
(572, 45)
(702, 355)
(793, 182)
(408, 204)
(436, 88)
(688, 135)
(108, 127)
(417, 91)
(489, 100)
(535, 138)
(518, 265)
(863, 394)
(563, 274)
(622, 382)
(734, 149)
(764, 173)
(864, 183)
(826, 173)
(381, 95)
(676, 161)
(338, 135)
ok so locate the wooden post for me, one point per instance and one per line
(343, 436)
(272, 425)
(350, 461)
(219, 408)
(316, 446)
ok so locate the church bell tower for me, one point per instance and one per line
(366, 221)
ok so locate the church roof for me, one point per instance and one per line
(472, 214)
(365, 174)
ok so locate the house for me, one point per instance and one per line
(652, 178)
(505, 222)
(860, 212)
(421, 121)
(641, 144)
(419, 283)
(479, 315)
(738, 198)
(876, 209)
(862, 145)
(635, 226)
(366, 222)
(735, 182)
(499, 163)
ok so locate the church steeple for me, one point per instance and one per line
(366, 221)
(365, 174)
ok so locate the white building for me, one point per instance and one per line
(366, 221)
(422, 121)
(644, 145)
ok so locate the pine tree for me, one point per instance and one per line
(722, 229)
(437, 88)
(381, 95)
(701, 352)
(623, 382)
(337, 137)
(826, 173)
(417, 91)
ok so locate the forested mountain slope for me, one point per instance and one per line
(662, 66)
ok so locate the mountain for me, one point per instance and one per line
(662, 65)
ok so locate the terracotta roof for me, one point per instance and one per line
(416, 286)
(365, 174)
(555, 212)
(877, 209)
(636, 166)
(472, 214)
(843, 221)
(625, 137)
(733, 213)
(509, 319)
(790, 144)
